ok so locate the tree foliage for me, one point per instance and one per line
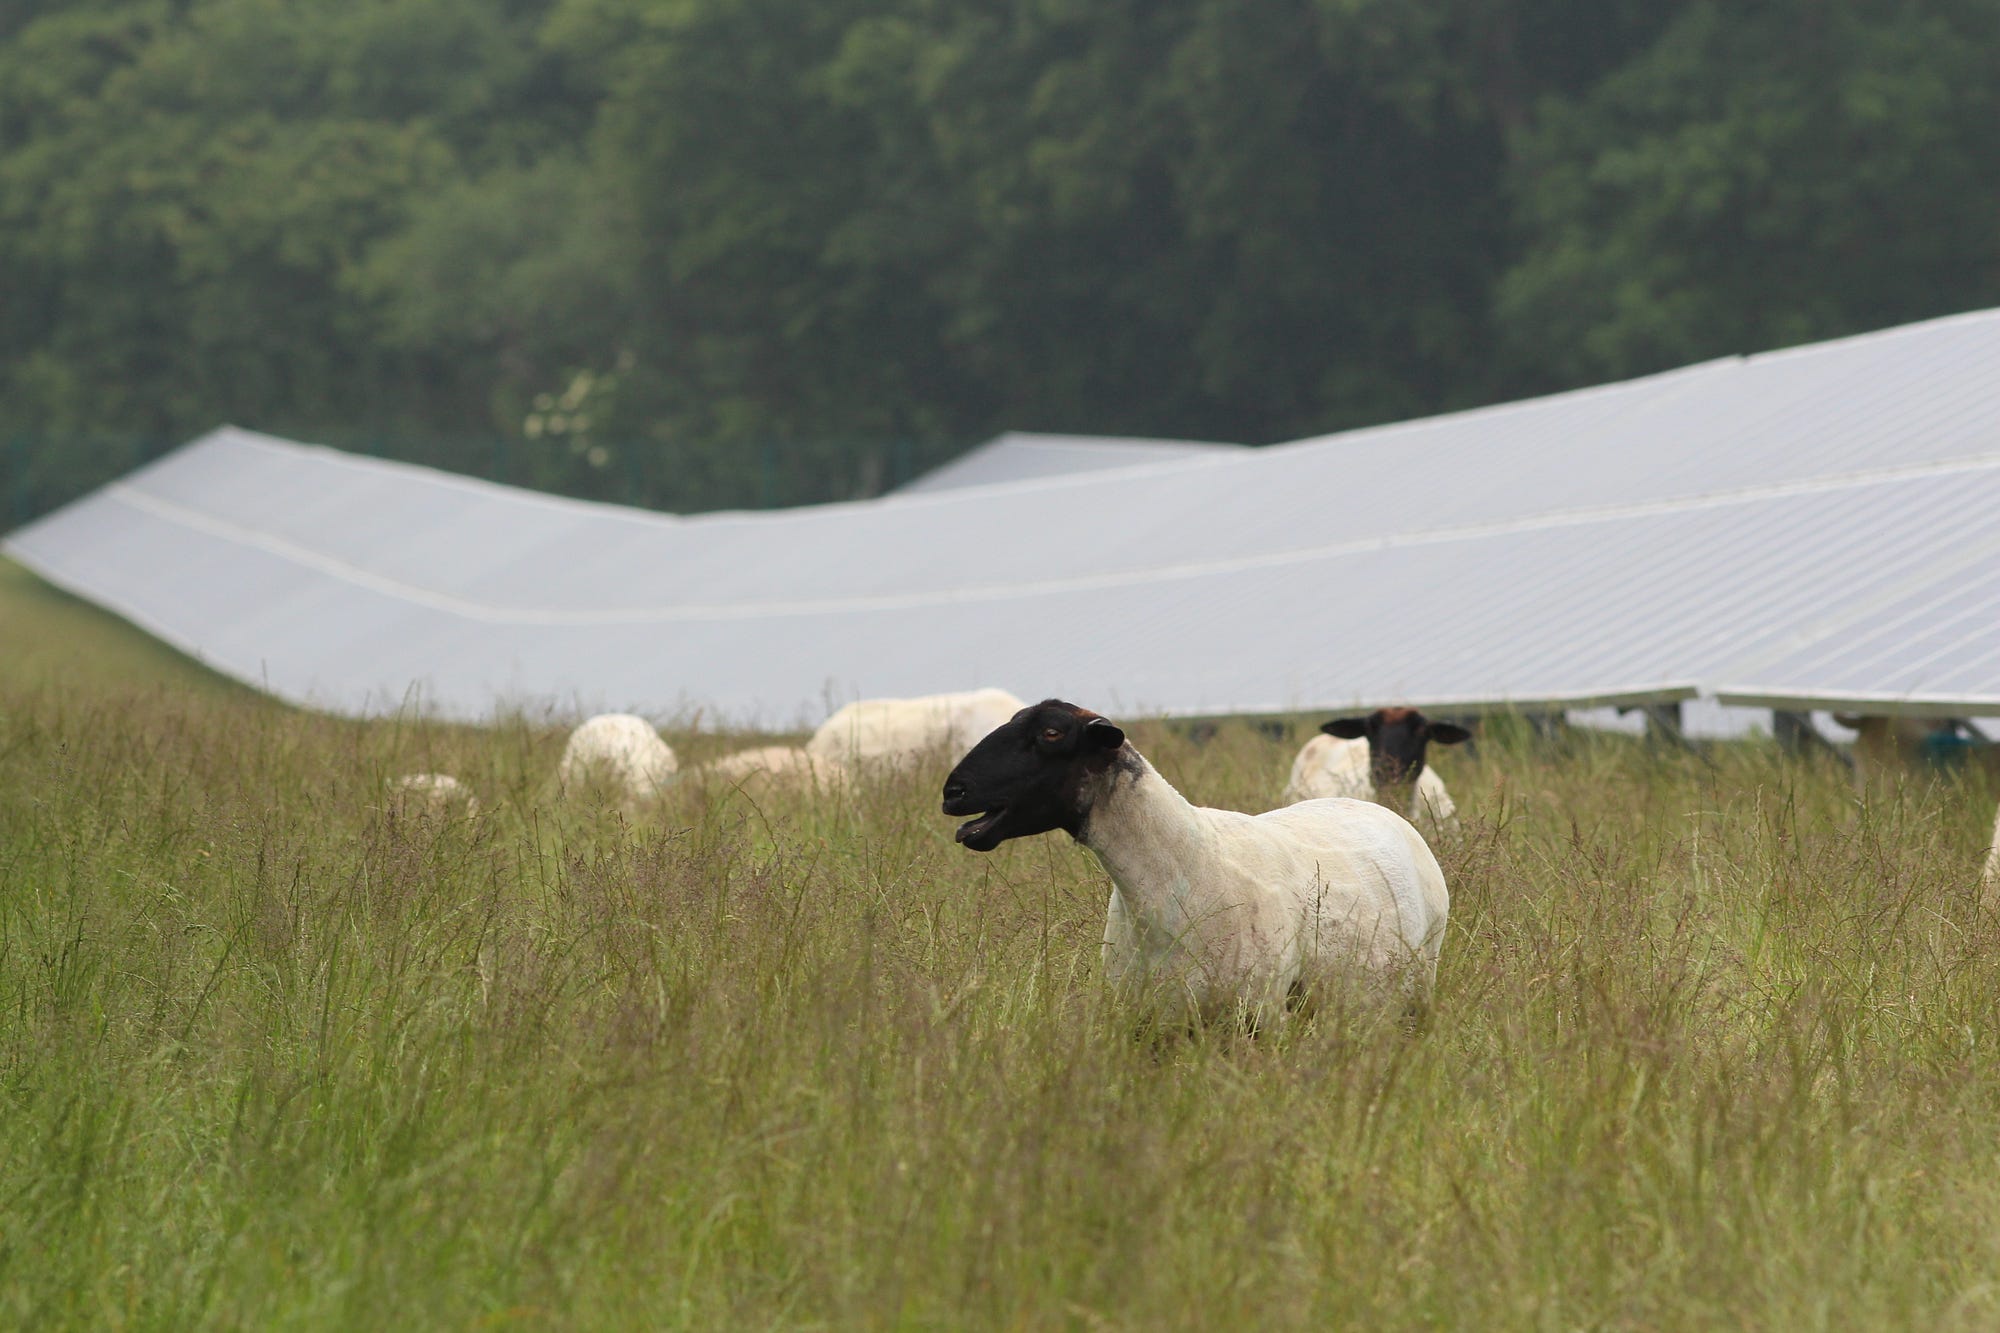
(754, 225)
(1762, 175)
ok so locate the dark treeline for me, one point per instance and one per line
(699, 252)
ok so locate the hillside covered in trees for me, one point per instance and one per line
(704, 252)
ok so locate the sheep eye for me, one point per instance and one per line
(1052, 733)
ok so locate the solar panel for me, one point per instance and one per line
(1023, 456)
(1787, 529)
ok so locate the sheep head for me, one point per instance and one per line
(1397, 741)
(1030, 774)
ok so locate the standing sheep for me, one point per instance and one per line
(1223, 912)
(621, 751)
(900, 733)
(1380, 757)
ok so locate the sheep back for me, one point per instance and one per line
(620, 750)
(430, 796)
(785, 767)
(904, 732)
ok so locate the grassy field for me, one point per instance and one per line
(1713, 1046)
(49, 638)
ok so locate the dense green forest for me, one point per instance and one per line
(699, 252)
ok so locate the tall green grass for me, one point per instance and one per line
(49, 637)
(1712, 1045)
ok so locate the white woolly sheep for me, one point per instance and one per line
(620, 751)
(430, 796)
(903, 732)
(1382, 755)
(1220, 911)
(775, 766)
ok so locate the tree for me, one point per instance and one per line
(1759, 177)
(189, 196)
(741, 251)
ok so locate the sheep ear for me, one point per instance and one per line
(1446, 733)
(1347, 728)
(1101, 733)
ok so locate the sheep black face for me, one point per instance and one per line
(1397, 739)
(1027, 776)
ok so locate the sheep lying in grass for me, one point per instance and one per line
(621, 752)
(430, 796)
(1221, 911)
(1380, 757)
(899, 733)
(783, 767)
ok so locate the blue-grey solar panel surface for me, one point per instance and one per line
(1022, 456)
(1812, 525)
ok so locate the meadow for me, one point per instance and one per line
(1713, 1045)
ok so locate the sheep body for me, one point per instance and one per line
(1330, 766)
(430, 796)
(621, 751)
(780, 766)
(1228, 909)
(1214, 910)
(903, 732)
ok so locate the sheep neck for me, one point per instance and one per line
(1149, 838)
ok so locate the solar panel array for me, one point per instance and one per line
(1812, 527)
(1023, 456)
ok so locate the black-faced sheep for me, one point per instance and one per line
(1213, 910)
(1380, 757)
